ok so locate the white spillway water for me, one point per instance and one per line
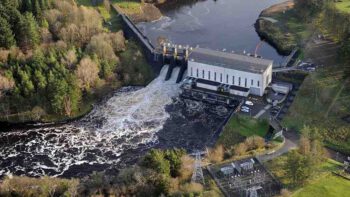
(129, 119)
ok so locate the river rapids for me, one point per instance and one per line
(115, 134)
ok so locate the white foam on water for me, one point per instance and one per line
(130, 119)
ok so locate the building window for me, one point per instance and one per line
(197, 73)
(239, 81)
(245, 82)
(191, 72)
(203, 74)
(258, 83)
(252, 82)
(209, 75)
(220, 77)
(226, 78)
(214, 76)
(233, 80)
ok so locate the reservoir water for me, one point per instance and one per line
(121, 129)
(220, 25)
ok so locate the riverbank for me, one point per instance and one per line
(281, 27)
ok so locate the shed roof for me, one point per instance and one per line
(230, 60)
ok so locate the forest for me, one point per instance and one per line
(56, 56)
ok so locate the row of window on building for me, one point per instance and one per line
(221, 78)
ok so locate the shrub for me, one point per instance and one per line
(240, 149)
(186, 170)
(254, 142)
(216, 154)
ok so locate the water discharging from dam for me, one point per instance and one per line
(114, 134)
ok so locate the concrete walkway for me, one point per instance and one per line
(272, 20)
(261, 112)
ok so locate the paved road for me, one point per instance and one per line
(261, 112)
(291, 142)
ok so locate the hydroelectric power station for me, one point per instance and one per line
(212, 76)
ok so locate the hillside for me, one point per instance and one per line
(59, 57)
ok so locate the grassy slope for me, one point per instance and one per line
(322, 183)
(316, 98)
(328, 186)
(240, 127)
(133, 63)
(344, 6)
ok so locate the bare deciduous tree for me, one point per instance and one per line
(101, 46)
(5, 84)
(87, 73)
(69, 59)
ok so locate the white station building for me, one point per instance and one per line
(221, 71)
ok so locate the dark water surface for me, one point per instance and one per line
(115, 134)
(219, 25)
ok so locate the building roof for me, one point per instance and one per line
(230, 60)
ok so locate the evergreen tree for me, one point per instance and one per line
(43, 4)
(6, 36)
(36, 10)
(29, 32)
(13, 17)
(26, 6)
(298, 167)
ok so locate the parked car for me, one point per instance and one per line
(249, 103)
(245, 110)
(310, 68)
(245, 107)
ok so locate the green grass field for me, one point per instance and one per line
(343, 5)
(240, 127)
(327, 186)
(129, 6)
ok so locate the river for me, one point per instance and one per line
(115, 134)
(220, 25)
(121, 129)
